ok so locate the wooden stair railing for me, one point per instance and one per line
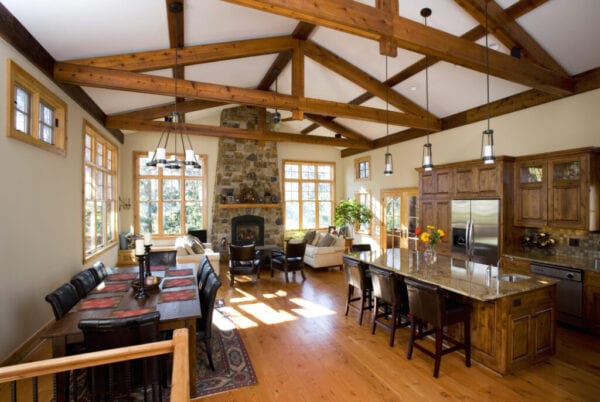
(180, 386)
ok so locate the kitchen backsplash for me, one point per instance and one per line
(573, 243)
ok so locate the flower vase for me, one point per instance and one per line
(430, 256)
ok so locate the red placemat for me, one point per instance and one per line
(129, 313)
(101, 302)
(158, 268)
(111, 287)
(178, 282)
(120, 277)
(179, 295)
(180, 272)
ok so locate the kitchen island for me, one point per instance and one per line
(512, 318)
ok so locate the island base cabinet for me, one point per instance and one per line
(514, 331)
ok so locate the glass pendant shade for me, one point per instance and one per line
(427, 157)
(487, 146)
(389, 164)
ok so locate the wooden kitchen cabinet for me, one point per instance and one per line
(478, 180)
(559, 190)
(591, 301)
(436, 213)
(438, 182)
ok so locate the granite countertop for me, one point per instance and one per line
(458, 276)
(586, 264)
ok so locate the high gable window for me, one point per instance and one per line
(362, 168)
(37, 117)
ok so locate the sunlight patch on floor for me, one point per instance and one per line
(266, 314)
(309, 309)
(246, 297)
(229, 315)
(279, 293)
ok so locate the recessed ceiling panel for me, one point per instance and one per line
(243, 73)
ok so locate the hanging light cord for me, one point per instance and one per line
(487, 64)
(387, 103)
(427, 88)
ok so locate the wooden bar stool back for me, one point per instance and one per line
(390, 296)
(357, 278)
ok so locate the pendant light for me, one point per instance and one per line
(175, 130)
(487, 137)
(388, 169)
(427, 156)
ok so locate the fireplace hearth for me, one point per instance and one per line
(247, 229)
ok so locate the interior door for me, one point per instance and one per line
(400, 217)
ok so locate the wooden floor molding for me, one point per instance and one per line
(303, 348)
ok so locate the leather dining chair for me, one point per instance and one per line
(167, 258)
(99, 271)
(62, 299)
(358, 279)
(123, 380)
(428, 303)
(360, 247)
(204, 325)
(290, 261)
(203, 272)
(390, 297)
(84, 282)
(243, 261)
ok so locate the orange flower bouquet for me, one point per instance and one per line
(430, 236)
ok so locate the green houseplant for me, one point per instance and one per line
(349, 213)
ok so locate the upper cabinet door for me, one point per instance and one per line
(531, 193)
(568, 198)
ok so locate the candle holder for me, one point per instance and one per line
(147, 257)
(141, 293)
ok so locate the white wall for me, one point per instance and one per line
(568, 123)
(40, 218)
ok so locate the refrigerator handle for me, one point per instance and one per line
(468, 237)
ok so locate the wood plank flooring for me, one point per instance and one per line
(303, 348)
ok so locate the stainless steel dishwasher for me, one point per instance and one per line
(569, 291)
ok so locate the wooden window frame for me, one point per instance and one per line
(360, 198)
(108, 169)
(18, 77)
(159, 234)
(358, 168)
(300, 181)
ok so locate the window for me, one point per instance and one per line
(38, 117)
(169, 202)
(362, 168)
(364, 198)
(308, 194)
(100, 192)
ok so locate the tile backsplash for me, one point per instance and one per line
(573, 243)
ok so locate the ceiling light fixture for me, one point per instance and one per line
(276, 117)
(389, 164)
(427, 160)
(487, 137)
(158, 157)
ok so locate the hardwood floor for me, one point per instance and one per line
(303, 348)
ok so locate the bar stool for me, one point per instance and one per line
(357, 278)
(390, 295)
(428, 304)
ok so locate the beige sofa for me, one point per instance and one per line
(317, 255)
(190, 250)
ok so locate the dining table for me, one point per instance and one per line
(175, 297)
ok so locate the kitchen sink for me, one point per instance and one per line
(514, 277)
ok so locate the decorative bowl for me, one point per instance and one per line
(150, 283)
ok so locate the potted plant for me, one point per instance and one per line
(348, 214)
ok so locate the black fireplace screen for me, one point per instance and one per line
(246, 229)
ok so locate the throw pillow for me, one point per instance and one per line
(316, 239)
(310, 236)
(326, 241)
(197, 246)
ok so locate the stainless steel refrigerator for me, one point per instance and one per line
(476, 230)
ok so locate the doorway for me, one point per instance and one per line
(400, 217)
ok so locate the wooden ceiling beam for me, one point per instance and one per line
(165, 58)
(145, 83)
(157, 112)
(231, 132)
(359, 19)
(362, 79)
(336, 127)
(509, 32)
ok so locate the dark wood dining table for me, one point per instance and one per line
(176, 298)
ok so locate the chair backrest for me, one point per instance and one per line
(360, 247)
(294, 250)
(355, 273)
(203, 273)
(425, 301)
(384, 285)
(84, 282)
(208, 296)
(168, 258)
(99, 271)
(62, 299)
(242, 253)
(108, 333)
(202, 267)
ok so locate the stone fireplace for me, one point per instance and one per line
(243, 165)
(247, 229)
